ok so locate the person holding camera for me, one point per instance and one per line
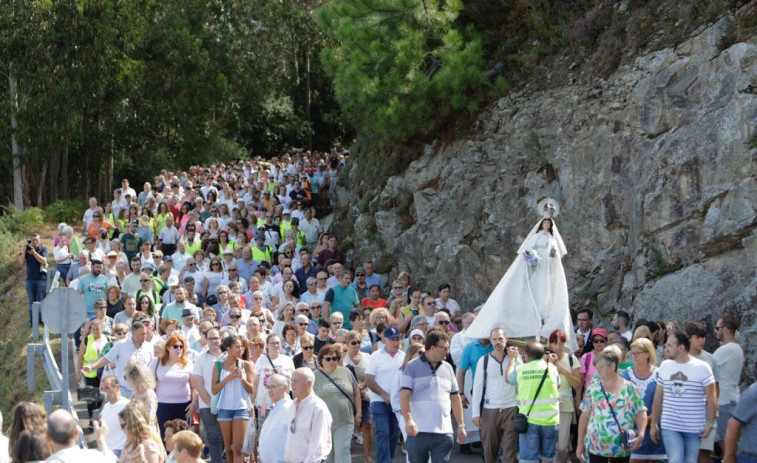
(538, 383)
(35, 256)
(609, 409)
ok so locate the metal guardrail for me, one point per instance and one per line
(60, 395)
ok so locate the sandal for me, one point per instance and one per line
(369, 460)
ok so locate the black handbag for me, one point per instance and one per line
(520, 421)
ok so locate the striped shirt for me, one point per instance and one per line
(684, 398)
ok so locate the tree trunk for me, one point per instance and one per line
(18, 195)
(41, 183)
(308, 96)
(64, 166)
(54, 173)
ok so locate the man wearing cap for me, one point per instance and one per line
(416, 336)
(130, 240)
(286, 222)
(359, 285)
(188, 327)
(175, 309)
(380, 376)
(260, 252)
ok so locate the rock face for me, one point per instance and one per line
(654, 172)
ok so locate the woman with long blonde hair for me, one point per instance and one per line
(142, 382)
(143, 444)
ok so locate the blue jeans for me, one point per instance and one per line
(427, 446)
(743, 457)
(681, 447)
(539, 443)
(35, 290)
(213, 436)
(387, 431)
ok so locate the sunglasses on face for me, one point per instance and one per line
(330, 359)
(307, 347)
(599, 340)
(234, 317)
(177, 347)
(443, 322)
(355, 343)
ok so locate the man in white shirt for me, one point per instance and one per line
(309, 430)
(380, 377)
(494, 402)
(87, 218)
(131, 283)
(62, 433)
(730, 359)
(273, 434)
(180, 257)
(202, 376)
(114, 403)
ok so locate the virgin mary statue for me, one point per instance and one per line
(531, 300)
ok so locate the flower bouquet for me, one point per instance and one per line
(532, 259)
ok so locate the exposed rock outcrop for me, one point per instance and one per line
(656, 172)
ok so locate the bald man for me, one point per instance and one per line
(62, 432)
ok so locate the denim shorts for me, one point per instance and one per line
(366, 412)
(229, 415)
(538, 443)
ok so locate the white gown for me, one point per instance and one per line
(530, 302)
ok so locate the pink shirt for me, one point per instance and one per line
(173, 382)
(587, 368)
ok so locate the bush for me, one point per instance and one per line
(70, 211)
(14, 222)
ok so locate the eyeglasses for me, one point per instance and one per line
(232, 270)
(718, 328)
(445, 348)
(100, 307)
(431, 303)
(302, 310)
(443, 322)
(354, 343)
(583, 319)
(143, 281)
(274, 343)
(598, 340)
(177, 347)
(330, 359)
(307, 347)
(303, 324)
(145, 301)
(321, 278)
(316, 307)
(214, 339)
(336, 323)
(312, 284)
(215, 263)
(234, 317)
(360, 275)
(223, 292)
(637, 353)
(119, 333)
(191, 264)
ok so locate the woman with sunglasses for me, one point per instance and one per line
(143, 444)
(599, 338)
(337, 386)
(358, 359)
(213, 277)
(97, 223)
(145, 306)
(233, 382)
(174, 390)
(306, 358)
(642, 374)
(357, 318)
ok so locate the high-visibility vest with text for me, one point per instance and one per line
(546, 409)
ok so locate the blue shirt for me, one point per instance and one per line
(33, 268)
(343, 300)
(302, 276)
(472, 352)
(93, 288)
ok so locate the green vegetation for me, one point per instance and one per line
(657, 264)
(402, 67)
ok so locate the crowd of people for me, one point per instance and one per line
(225, 323)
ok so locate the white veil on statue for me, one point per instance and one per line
(531, 300)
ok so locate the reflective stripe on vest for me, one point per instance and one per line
(546, 409)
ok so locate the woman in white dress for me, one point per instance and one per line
(531, 300)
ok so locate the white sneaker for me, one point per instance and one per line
(360, 439)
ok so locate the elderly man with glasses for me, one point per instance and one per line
(273, 434)
(309, 429)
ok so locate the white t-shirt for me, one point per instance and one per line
(283, 365)
(684, 400)
(730, 359)
(203, 368)
(384, 368)
(116, 437)
(452, 306)
(4, 457)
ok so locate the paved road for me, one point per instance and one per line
(456, 457)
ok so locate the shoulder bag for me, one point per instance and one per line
(625, 434)
(520, 421)
(352, 404)
(214, 398)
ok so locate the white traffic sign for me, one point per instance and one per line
(63, 310)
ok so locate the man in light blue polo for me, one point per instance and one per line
(428, 390)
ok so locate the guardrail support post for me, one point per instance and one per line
(35, 321)
(31, 380)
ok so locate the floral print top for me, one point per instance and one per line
(603, 435)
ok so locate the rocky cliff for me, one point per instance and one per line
(656, 171)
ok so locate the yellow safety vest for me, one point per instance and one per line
(91, 354)
(546, 409)
(284, 227)
(258, 255)
(191, 248)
